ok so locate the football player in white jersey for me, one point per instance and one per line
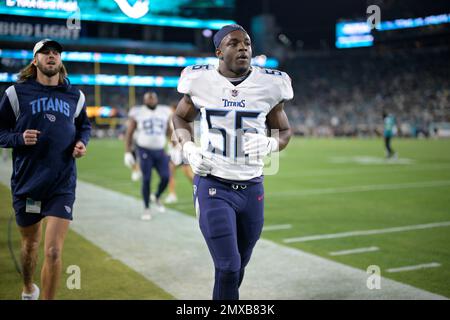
(152, 124)
(242, 120)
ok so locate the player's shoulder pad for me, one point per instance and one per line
(134, 110)
(280, 79)
(191, 74)
(196, 70)
(273, 73)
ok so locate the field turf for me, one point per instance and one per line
(323, 187)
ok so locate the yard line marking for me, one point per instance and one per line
(416, 267)
(374, 187)
(352, 251)
(367, 232)
(277, 227)
(366, 170)
(369, 160)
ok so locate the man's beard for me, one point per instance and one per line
(48, 72)
(152, 107)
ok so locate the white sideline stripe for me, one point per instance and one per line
(277, 227)
(367, 232)
(416, 267)
(169, 251)
(370, 160)
(365, 170)
(353, 251)
(374, 187)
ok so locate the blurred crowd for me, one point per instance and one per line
(345, 93)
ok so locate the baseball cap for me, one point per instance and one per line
(218, 37)
(46, 43)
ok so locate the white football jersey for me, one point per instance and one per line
(228, 111)
(151, 128)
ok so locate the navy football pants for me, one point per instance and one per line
(149, 159)
(231, 218)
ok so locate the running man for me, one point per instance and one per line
(152, 124)
(237, 103)
(43, 118)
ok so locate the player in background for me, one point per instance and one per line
(43, 118)
(176, 161)
(151, 123)
(237, 103)
(390, 129)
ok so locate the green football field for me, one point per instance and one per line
(343, 195)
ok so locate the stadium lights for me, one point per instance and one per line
(354, 41)
(135, 59)
(207, 33)
(358, 34)
(123, 80)
(110, 80)
(414, 22)
(101, 111)
(91, 11)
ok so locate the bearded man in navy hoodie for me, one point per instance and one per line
(43, 118)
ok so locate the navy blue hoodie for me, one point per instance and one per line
(47, 168)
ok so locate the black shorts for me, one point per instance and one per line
(60, 206)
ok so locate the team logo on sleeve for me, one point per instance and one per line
(212, 191)
(68, 209)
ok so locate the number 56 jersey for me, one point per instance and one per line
(228, 111)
